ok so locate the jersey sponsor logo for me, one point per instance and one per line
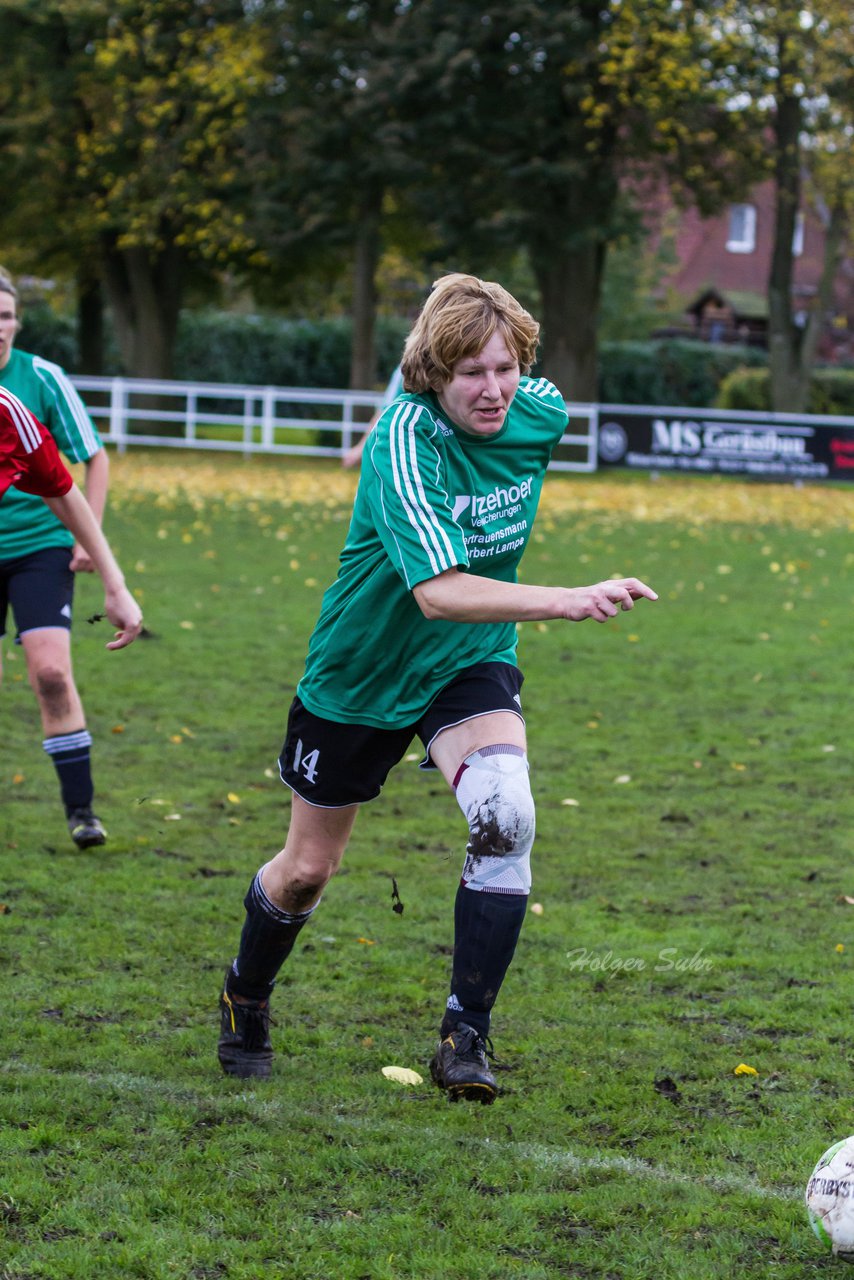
(500, 503)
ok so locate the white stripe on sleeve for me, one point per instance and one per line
(22, 420)
(68, 402)
(410, 489)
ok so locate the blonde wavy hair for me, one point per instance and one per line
(6, 285)
(458, 319)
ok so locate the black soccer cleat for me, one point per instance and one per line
(244, 1048)
(86, 828)
(460, 1067)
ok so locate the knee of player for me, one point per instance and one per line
(500, 808)
(306, 877)
(52, 685)
(504, 825)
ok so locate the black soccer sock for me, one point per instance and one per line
(71, 756)
(268, 936)
(486, 930)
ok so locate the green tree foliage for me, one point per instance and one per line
(540, 111)
(127, 126)
(335, 158)
(798, 64)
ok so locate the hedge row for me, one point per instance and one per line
(212, 347)
(831, 391)
(669, 371)
(264, 350)
(218, 347)
(51, 336)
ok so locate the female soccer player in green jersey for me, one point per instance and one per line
(38, 563)
(417, 636)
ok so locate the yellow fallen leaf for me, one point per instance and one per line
(17, 778)
(175, 737)
(368, 942)
(402, 1075)
(118, 728)
(186, 626)
(744, 1070)
(840, 947)
(233, 797)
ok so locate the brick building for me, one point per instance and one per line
(722, 271)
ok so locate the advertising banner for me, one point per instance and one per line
(774, 446)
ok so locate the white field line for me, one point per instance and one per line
(542, 1157)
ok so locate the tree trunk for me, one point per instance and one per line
(834, 236)
(366, 260)
(789, 377)
(144, 291)
(90, 323)
(570, 283)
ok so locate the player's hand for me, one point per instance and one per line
(81, 561)
(606, 599)
(125, 614)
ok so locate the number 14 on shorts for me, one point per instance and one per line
(306, 762)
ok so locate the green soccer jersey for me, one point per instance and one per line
(430, 497)
(26, 523)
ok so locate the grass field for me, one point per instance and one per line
(692, 764)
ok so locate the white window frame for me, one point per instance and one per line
(747, 240)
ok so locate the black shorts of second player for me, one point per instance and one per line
(332, 765)
(39, 588)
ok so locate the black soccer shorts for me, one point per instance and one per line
(331, 765)
(40, 589)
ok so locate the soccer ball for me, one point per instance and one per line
(830, 1199)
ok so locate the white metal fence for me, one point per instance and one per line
(251, 419)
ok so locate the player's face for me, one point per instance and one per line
(8, 326)
(482, 387)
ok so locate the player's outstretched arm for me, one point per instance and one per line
(467, 597)
(119, 605)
